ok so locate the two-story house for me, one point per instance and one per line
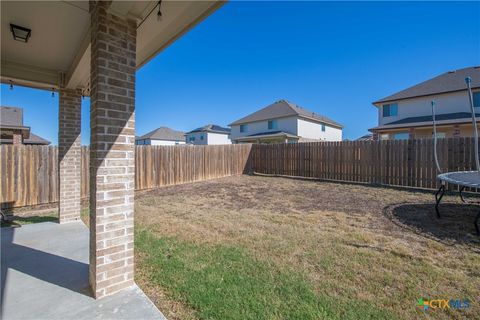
(408, 114)
(283, 122)
(13, 131)
(209, 135)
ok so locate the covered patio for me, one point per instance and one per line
(76, 49)
(45, 272)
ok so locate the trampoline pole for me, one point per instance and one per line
(435, 138)
(468, 80)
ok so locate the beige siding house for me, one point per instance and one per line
(407, 114)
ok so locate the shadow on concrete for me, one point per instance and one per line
(54, 269)
(455, 226)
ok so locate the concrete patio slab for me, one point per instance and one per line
(45, 276)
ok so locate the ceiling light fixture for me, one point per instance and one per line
(159, 13)
(20, 33)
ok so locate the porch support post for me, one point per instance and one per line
(112, 163)
(69, 155)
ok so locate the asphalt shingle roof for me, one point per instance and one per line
(34, 139)
(446, 82)
(212, 128)
(270, 133)
(284, 108)
(163, 133)
(438, 117)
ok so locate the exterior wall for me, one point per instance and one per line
(217, 138)
(445, 103)
(69, 155)
(198, 138)
(209, 138)
(155, 142)
(287, 124)
(165, 142)
(450, 131)
(313, 130)
(112, 150)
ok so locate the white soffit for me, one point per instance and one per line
(58, 51)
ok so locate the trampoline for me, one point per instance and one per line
(462, 179)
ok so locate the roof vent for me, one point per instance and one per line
(453, 71)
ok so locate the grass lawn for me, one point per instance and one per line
(275, 248)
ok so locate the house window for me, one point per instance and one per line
(243, 128)
(201, 137)
(272, 124)
(476, 99)
(323, 127)
(401, 136)
(390, 110)
(384, 136)
(191, 139)
(440, 135)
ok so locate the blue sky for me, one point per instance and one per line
(331, 58)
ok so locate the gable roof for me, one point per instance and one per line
(284, 108)
(421, 121)
(367, 137)
(447, 82)
(34, 139)
(163, 133)
(212, 128)
(438, 117)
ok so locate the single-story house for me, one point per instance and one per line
(162, 136)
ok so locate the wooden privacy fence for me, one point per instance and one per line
(29, 174)
(407, 163)
(158, 166)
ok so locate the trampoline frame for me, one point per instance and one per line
(444, 177)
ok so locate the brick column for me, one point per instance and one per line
(69, 155)
(112, 163)
(17, 139)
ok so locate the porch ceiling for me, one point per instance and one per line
(58, 52)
